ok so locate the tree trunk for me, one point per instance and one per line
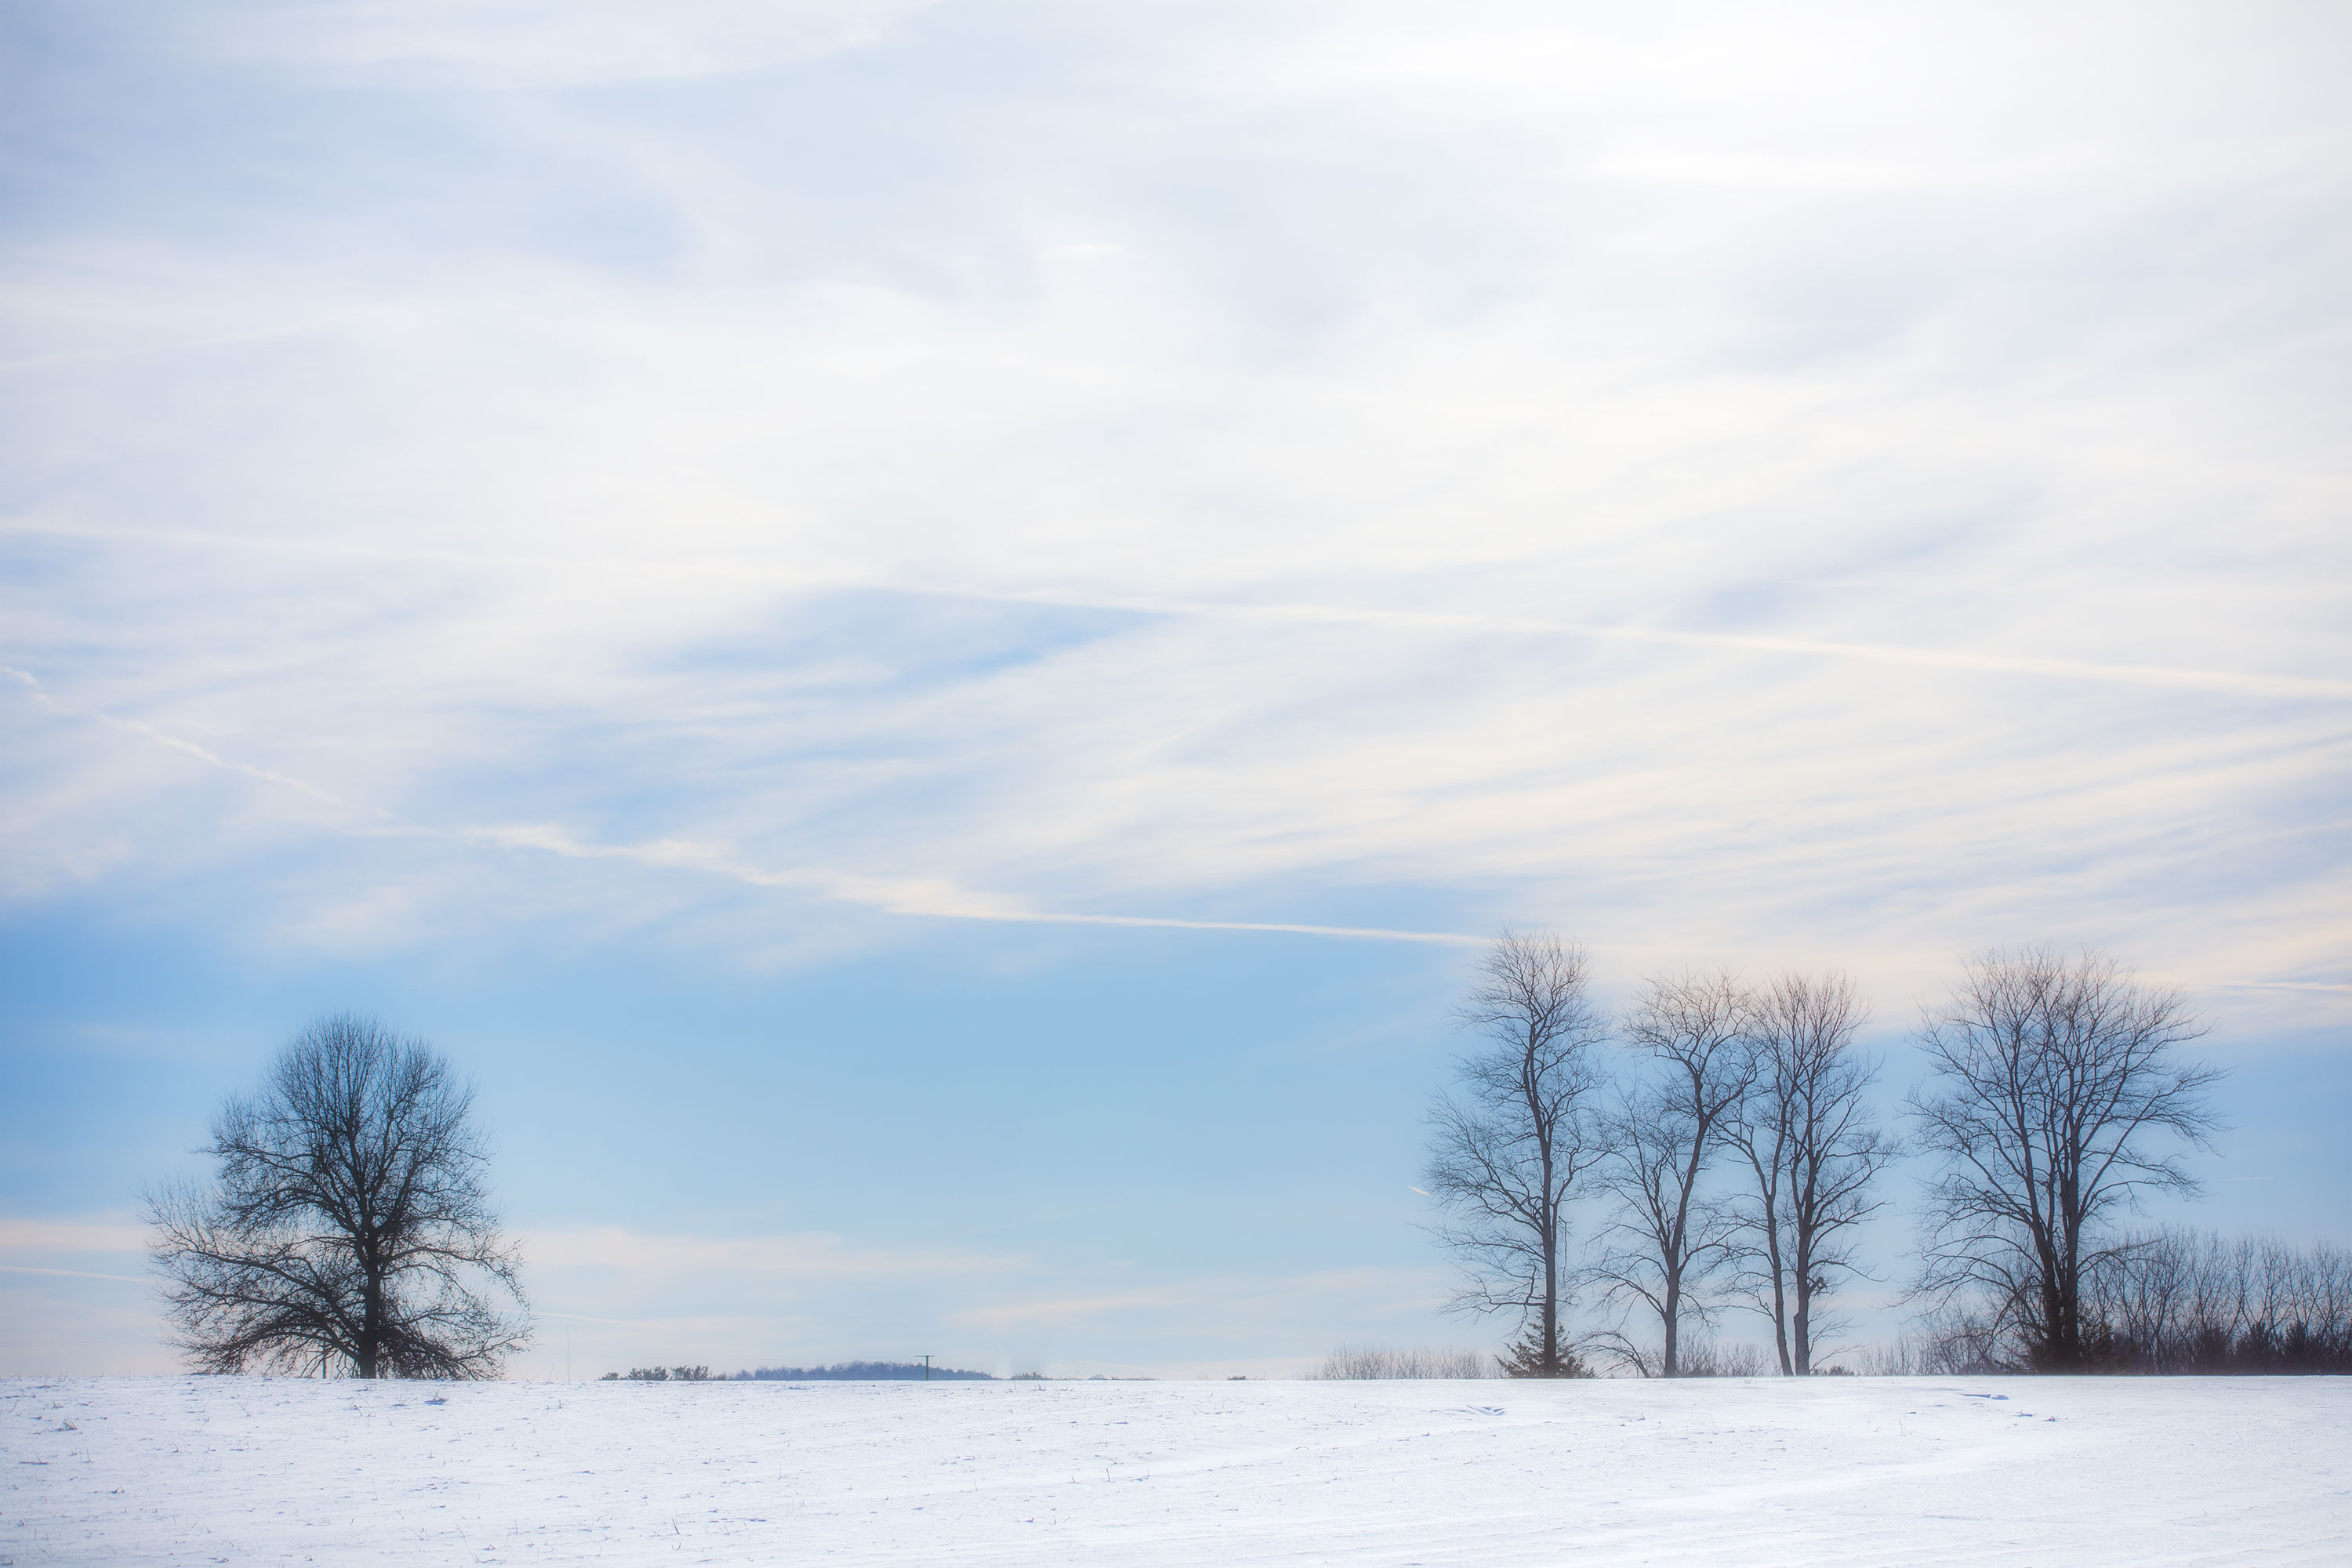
(1799, 1351)
(370, 1327)
(1552, 1311)
(1551, 1264)
(1781, 1318)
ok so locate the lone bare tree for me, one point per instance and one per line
(2056, 1098)
(1669, 1236)
(1813, 1149)
(1507, 1146)
(349, 1222)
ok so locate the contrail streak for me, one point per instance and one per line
(73, 1274)
(1379, 934)
(931, 900)
(148, 732)
(2241, 682)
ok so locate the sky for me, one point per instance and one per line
(927, 636)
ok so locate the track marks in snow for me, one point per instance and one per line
(1765, 1474)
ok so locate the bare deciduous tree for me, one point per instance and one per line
(348, 1223)
(2056, 1098)
(1813, 1149)
(1507, 1147)
(1669, 1236)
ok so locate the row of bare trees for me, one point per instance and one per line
(1713, 1072)
(1725, 1134)
(2174, 1300)
(2171, 1301)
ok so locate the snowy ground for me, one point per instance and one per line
(2060, 1473)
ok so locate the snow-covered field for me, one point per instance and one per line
(2057, 1473)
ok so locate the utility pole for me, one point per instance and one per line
(927, 1369)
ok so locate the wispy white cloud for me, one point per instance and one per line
(532, 43)
(792, 1299)
(931, 899)
(2251, 683)
(1717, 485)
(813, 1257)
(19, 1237)
(1215, 1304)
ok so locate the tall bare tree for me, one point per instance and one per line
(348, 1222)
(2056, 1099)
(1507, 1145)
(1669, 1236)
(1813, 1149)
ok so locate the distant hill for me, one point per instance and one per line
(862, 1370)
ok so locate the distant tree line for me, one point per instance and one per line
(864, 1371)
(1725, 1135)
(1377, 1362)
(663, 1374)
(2175, 1300)
(839, 1372)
